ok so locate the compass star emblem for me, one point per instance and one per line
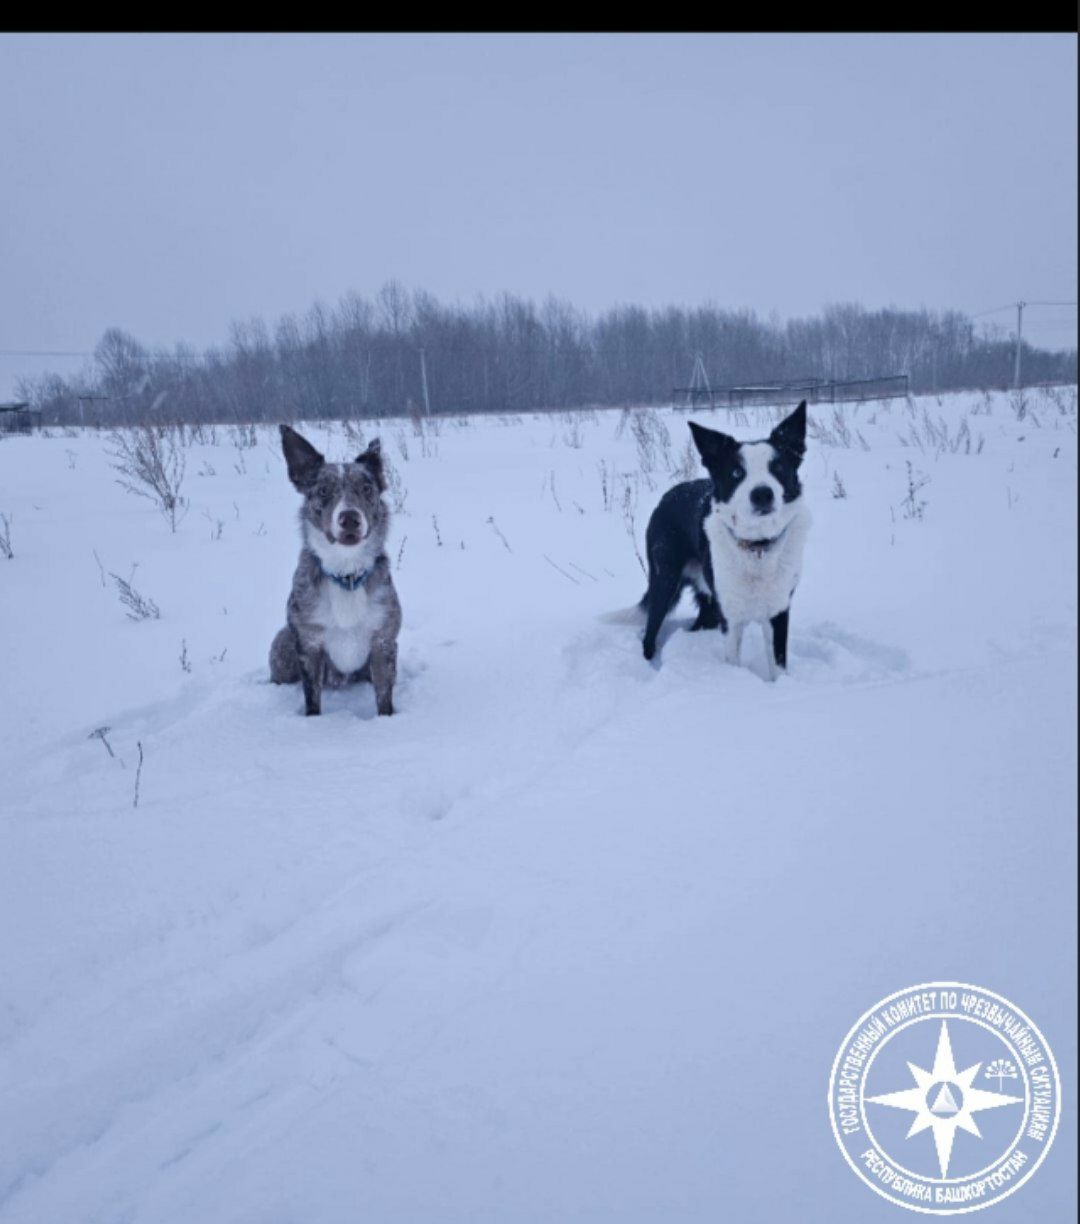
(944, 1100)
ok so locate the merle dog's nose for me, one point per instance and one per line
(761, 498)
(349, 520)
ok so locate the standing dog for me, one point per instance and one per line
(736, 539)
(343, 614)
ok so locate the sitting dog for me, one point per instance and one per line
(736, 539)
(343, 614)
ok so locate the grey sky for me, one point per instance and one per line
(171, 184)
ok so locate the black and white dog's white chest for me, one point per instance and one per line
(754, 581)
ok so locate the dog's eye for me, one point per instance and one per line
(737, 473)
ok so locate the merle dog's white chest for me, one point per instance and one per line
(350, 619)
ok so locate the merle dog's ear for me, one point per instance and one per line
(303, 460)
(790, 435)
(713, 446)
(373, 461)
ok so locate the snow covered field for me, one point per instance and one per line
(571, 937)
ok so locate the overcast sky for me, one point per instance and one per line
(169, 184)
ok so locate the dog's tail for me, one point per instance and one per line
(634, 615)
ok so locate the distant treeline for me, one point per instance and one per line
(373, 358)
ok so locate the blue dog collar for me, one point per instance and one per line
(348, 582)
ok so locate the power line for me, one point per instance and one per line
(1012, 306)
(40, 353)
(993, 310)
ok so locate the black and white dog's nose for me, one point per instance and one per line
(349, 520)
(761, 498)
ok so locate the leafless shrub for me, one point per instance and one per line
(217, 526)
(185, 660)
(572, 435)
(939, 438)
(1019, 403)
(629, 500)
(912, 438)
(151, 463)
(962, 439)
(354, 435)
(549, 483)
(686, 466)
(838, 490)
(139, 607)
(6, 549)
(495, 527)
(569, 577)
(395, 486)
(101, 733)
(429, 443)
(138, 773)
(652, 438)
(584, 572)
(244, 437)
(605, 484)
(912, 505)
(836, 432)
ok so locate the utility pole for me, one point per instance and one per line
(699, 382)
(88, 399)
(423, 383)
(1019, 342)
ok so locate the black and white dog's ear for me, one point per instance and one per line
(713, 446)
(372, 459)
(790, 435)
(303, 460)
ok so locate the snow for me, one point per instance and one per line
(570, 937)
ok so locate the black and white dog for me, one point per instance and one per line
(343, 613)
(736, 539)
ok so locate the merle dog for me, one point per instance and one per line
(736, 539)
(343, 613)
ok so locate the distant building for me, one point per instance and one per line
(16, 417)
